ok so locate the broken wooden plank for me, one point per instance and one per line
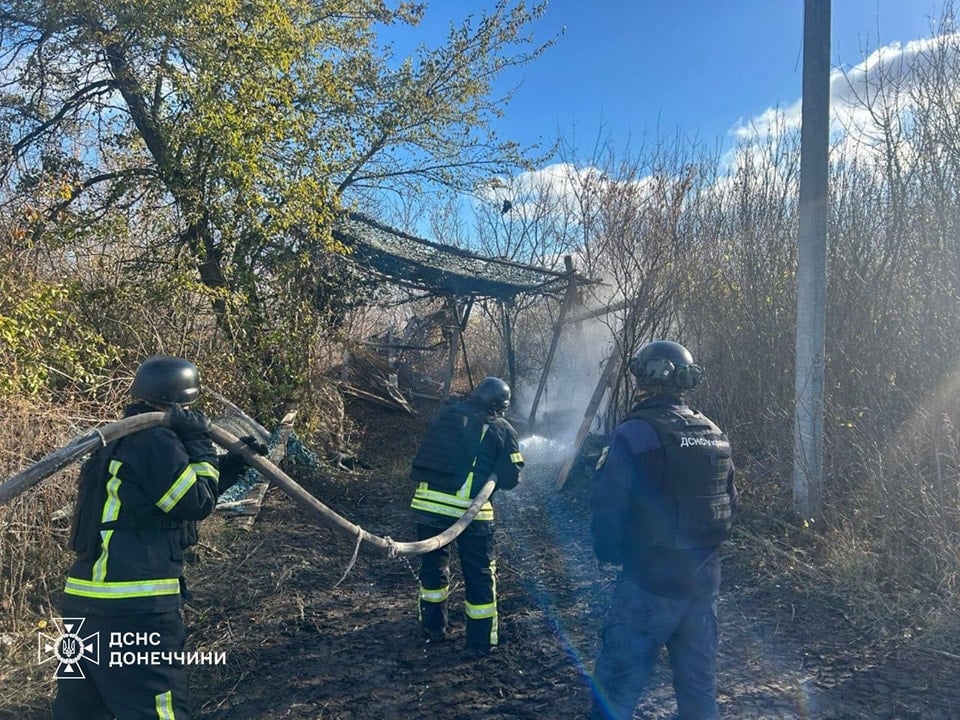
(610, 369)
(392, 403)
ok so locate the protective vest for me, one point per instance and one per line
(91, 496)
(690, 506)
(450, 446)
(455, 458)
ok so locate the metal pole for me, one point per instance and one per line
(811, 259)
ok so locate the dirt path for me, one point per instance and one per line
(301, 646)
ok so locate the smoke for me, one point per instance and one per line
(539, 450)
(571, 382)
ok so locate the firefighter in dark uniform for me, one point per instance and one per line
(663, 500)
(465, 444)
(138, 504)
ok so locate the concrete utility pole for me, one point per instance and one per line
(812, 260)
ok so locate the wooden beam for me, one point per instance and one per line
(463, 342)
(508, 343)
(453, 349)
(605, 310)
(392, 403)
(610, 369)
(569, 299)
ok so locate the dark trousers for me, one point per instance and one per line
(476, 551)
(147, 688)
(637, 625)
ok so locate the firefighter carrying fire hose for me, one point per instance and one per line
(466, 443)
(139, 500)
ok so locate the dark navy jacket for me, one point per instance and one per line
(633, 466)
(156, 486)
(464, 444)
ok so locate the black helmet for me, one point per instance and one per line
(665, 366)
(493, 393)
(166, 380)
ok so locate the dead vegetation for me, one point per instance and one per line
(685, 247)
(298, 644)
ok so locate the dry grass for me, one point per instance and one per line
(886, 549)
(34, 530)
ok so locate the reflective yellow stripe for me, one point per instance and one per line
(171, 497)
(480, 612)
(487, 611)
(516, 458)
(425, 493)
(434, 596)
(441, 503)
(111, 506)
(99, 573)
(120, 590)
(205, 468)
(449, 507)
(164, 705)
(464, 491)
(495, 624)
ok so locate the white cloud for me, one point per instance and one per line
(892, 66)
(772, 122)
(883, 84)
(562, 179)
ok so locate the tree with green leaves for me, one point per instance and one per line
(223, 137)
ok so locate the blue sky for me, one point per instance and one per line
(700, 67)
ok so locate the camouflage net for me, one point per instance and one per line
(425, 265)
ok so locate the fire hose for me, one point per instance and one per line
(87, 443)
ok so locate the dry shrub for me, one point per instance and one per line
(888, 541)
(898, 532)
(34, 530)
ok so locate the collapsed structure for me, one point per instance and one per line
(461, 277)
(458, 276)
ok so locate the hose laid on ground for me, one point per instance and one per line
(89, 442)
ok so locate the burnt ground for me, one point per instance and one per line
(300, 645)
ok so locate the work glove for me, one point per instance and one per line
(232, 465)
(258, 447)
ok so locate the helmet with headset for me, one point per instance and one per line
(664, 366)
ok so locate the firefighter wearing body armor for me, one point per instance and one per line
(465, 444)
(138, 503)
(663, 499)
